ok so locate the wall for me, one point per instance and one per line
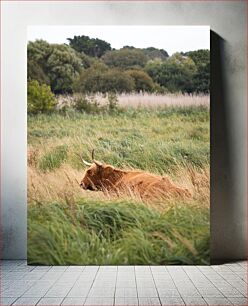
(228, 104)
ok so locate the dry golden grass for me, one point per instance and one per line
(63, 183)
(52, 178)
(148, 100)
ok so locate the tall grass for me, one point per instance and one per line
(157, 141)
(69, 226)
(119, 232)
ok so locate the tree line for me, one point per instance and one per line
(90, 65)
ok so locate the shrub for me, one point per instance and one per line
(113, 106)
(40, 98)
(87, 105)
(101, 79)
(117, 81)
(143, 82)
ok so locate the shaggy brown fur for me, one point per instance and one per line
(144, 185)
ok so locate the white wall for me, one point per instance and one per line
(227, 20)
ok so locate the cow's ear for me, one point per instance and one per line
(108, 170)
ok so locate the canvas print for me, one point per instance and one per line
(118, 145)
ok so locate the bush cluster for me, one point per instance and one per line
(100, 78)
(89, 65)
(88, 104)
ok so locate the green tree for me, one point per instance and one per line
(63, 67)
(86, 60)
(125, 58)
(154, 53)
(201, 59)
(91, 46)
(100, 78)
(54, 64)
(153, 68)
(201, 80)
(40, 98)
(143, 82)
(38, 53)
(175, 74)
(36, 72)
(151, 53)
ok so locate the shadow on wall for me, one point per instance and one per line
(225, 230)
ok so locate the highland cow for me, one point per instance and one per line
(147, 186)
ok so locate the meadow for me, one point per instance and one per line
(67, 225)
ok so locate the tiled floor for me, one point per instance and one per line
(123, 285)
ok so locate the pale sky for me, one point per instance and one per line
(170, 38)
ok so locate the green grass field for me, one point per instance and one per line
(67, 225)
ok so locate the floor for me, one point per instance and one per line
(123, 285)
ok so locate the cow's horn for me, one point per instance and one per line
(93, 158)
(86, 163)
(93, 154)
(97, 163)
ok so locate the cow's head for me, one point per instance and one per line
(98, 176)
